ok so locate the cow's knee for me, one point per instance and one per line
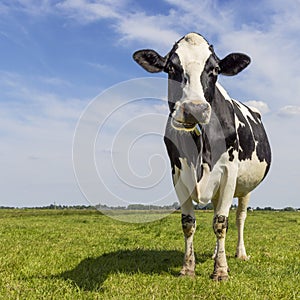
(188, 225)
(220, 226)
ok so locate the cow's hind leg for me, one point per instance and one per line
(241, 215)
(189, 227)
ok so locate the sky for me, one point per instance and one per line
(80, 122)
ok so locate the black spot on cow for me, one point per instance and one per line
(262, 144)
(230, 153)
(245, 135)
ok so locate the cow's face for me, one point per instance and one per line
(193, 68)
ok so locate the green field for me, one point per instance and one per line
(74, 254)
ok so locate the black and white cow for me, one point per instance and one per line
(217, 146)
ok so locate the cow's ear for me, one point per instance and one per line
(234, 63)
(150, 60)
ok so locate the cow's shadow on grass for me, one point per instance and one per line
(91, 273)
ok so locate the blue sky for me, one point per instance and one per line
(56, 56)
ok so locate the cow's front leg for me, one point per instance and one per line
(220, 222)
(189, 228)
(220, 226)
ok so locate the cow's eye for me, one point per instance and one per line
(216, 71)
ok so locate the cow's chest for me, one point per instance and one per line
(207, 188)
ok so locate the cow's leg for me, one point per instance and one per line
(241, 215)
(220, 225)
(189, 227)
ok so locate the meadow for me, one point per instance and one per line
(82, 254)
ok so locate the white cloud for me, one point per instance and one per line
(132, 26)
(290, 110)
(87, 11)
(152, 31)
(202, 16)
(261, 106)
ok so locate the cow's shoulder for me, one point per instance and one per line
(220, 136)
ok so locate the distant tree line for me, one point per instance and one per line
(174, 206)
(52, 206)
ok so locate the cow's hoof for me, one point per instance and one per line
(242, 256)
(187, 272)
(219, 277)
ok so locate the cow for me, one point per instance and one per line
(218, 147)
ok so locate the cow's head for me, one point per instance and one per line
(193, 68)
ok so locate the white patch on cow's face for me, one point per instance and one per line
(193, 51)
(192, 108)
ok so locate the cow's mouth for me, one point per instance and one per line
(182, 125)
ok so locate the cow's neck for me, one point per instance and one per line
(220, 131)
(196, 148)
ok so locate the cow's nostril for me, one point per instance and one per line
(195, 112)
(204, 106)
(191, 113)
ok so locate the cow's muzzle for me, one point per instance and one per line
(188, 114)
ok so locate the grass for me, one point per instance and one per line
(87, 255)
